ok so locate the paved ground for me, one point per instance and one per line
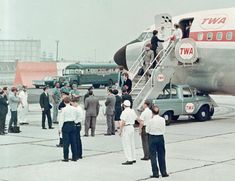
(195, 151)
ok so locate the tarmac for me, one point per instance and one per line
(195, 151)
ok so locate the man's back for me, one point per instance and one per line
(110, 104)
(92, 106)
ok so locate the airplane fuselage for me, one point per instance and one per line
(214, 34)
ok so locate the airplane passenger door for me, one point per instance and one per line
(163, 23)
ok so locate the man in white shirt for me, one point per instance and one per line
(127, 122)
(78, 126)
(69, 116)
(144, 118)
(156, 129)
(23, 107)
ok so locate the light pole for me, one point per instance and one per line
(57, 50)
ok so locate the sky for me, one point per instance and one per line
(89, 30)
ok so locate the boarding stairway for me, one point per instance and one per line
(160, 76)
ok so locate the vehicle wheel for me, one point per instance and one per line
(168, 117)
(175, 117)
(96, 86)
(211, 112)
(36, 86)
(203, 114)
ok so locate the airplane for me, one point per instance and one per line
(207, 55)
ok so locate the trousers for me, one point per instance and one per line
(128, 142)
(48, 114)
(145, 144)
(157, 152)
(69, 138)
(55, 112)
(90, 122)
(110, 124)
(78, 140)
(2, 121)
(13, 120)
(22, 113)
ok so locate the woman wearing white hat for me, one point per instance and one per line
(127, 122)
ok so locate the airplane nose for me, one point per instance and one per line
(120, 57)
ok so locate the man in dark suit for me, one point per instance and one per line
(126, 96)
(92, 107)
(154, 44)
(3, 110)
(110, 108)
(45, 106)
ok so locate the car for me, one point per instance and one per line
(176, 100)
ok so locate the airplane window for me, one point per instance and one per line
(229, 36)
(209, 36)
(219, 36)
(200, 36)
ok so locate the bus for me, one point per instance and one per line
(95, 74)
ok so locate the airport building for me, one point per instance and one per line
(20, 50)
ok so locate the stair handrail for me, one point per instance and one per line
(166, 52)
(138, 61)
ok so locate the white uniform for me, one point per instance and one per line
(24, 107)
(178, 34)
(128, 116)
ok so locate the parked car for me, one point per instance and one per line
(176, 100)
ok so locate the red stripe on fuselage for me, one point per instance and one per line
(214, 36)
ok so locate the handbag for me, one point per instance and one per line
(141, 71)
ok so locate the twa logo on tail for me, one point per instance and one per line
(213, 21)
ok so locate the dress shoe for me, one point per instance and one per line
(85, 135)
(127, 163)
(113, 133)
(44, 128)
(2, 133)
(106, 134)
(65, 160)
(80, 157)
(56, 122)
(165, 175)
(154, 176)
(134, 161)
(74, 160)
(59, 145)
(51, 128)
(145, 159)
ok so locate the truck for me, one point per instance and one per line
(176, 100)
(50, 81)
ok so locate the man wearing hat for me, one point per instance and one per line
(127, 122)
(87, 94)
(14, 102)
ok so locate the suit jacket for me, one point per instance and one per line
(3, 105)
(154, 42)
(44, 101)
(92, 106)
(14, 102)
(110, 105)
